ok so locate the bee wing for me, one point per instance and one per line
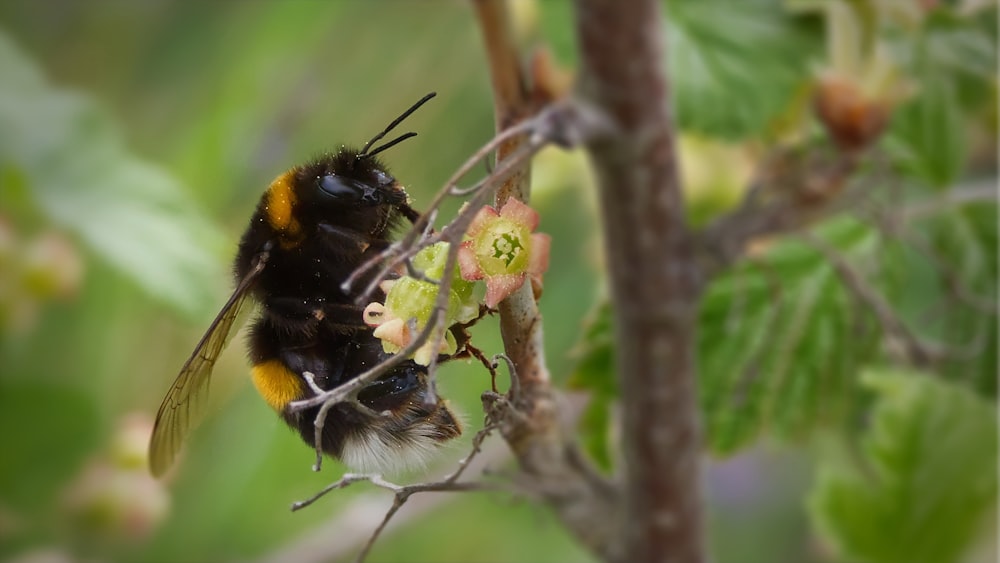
(181, 408)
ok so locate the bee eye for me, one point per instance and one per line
(341, 188)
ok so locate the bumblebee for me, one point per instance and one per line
(312, 228)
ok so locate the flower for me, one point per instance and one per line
(409, 304)
(503, 251)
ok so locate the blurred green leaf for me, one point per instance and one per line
(952, 61)
(928, 135)
(735, 65)
(781, 340)
(947, 42)
(80, 176)
(947, 289)
(961, 44)
(594, 371)
(930, 478)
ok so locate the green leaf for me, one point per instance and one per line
(953, 300)
(928, 136)
(956, 44)
(781, 341)
(65, 152)
(931, 480)
(735, 65)
(952, 60)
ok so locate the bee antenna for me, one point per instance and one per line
(365, 152)
(388, 145)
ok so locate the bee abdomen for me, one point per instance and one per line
(277, 384)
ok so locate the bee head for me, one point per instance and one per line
(357, 178)
(348, 179)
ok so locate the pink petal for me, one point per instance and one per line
(483, 218)
(374, 314)
(521, 213)
(499, 287)
(386, 285)
(539, 258)
(394, 331)
(467, 262)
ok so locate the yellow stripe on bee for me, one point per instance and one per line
(276, 383)
(279, 206)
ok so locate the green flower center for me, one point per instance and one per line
(502, 248)
(506, 247)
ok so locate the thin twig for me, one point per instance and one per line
(791, 191)
(895, 223)
(916, 351)
(956, 197)
(515, 384)
(409, 240)
(402, 493)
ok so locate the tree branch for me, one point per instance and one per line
(655, 283)
(528, 417)
(983, 192)
(792, 190)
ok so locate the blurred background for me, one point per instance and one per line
(138, 138)
(147, 133)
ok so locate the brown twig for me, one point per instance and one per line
(915, 350)
(402, 493)
(896, 223)
(360, 515)
(959, 196)
(791, 191)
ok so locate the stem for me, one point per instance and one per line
(655, 283)
(520, 322)
(528, 416)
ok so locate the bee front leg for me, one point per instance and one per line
(411, 214)
(345, 317)
(341, 239)
(306, 315)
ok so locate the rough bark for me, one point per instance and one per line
(654, 280)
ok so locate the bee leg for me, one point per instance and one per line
(392, 391)
(337, 237)
(294, 314)
(305, 315)
(411, 214)
(345, 317)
